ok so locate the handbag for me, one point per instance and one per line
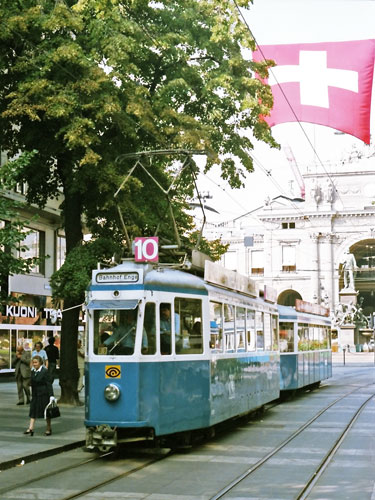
(52, 410)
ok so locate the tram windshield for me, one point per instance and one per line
(115, 332)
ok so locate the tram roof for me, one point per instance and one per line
(160, 277)
(289, 313)
(173, 278)
(164, 278)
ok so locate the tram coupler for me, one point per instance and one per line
(102, 437)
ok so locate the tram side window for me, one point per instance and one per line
(150, 328)
(250, 330)
(267, 332)
(323, 337)
(303, 337)
(329, 338)
(189, 333)
(318, 342)
(240, 328)
(216, 326)
(165, 311)
(259, 322)
(115, 332)
(275, 333)
(311, 330)
(229, 327)
(286, 337)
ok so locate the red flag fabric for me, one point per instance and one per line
(325, 83)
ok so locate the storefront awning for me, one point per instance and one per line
(112, 304)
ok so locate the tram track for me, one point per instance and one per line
(331, 453)
(145, 462)
(137, 461)
(61, 470)
(324, 463)
(114, 479)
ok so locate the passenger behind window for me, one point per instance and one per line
(166, 328)
(196, 336)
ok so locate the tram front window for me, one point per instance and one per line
(115, 332)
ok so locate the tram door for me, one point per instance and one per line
(184, 377)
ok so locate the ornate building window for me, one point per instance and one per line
(35, 243)
(289, 258)
(257, 262)
(60, 250)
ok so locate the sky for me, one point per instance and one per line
(282, 22)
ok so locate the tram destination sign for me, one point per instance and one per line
(226, 278)
(309, 307)
(117, 277)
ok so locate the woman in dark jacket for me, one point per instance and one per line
(41, 394)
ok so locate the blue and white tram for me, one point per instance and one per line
(305, 346)
(204, 351)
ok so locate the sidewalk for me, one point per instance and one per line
(68, 431)
(353, 359)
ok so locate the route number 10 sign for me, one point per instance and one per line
(146, 249)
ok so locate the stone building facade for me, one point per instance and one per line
(298, 245)
(31, 316)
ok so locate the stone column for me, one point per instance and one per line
(316, 266)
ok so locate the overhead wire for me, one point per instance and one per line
(288, 102)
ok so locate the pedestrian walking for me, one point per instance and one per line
(53, 354)
(81, 365)
(41, 395)
(22, 372)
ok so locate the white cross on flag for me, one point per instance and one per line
(325, 83)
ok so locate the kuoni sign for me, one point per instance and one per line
(146, 249)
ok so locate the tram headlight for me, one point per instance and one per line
(111, 392)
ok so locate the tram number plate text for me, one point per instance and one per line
(146, 249)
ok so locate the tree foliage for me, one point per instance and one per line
(84, 81)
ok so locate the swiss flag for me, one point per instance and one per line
(325, 83)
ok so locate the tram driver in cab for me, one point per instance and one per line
(122, 340)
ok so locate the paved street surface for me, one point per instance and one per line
(67, 431)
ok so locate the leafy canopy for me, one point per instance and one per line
(85, 81)
(82, 82)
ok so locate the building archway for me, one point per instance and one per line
(288, 298)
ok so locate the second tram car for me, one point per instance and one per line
(169, 352)
(305, 346)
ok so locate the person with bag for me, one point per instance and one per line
(41, 395)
